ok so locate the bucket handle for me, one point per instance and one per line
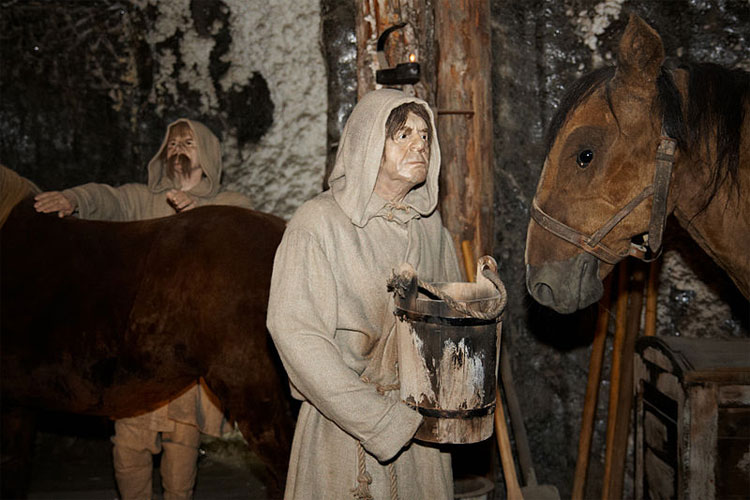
(486, 270)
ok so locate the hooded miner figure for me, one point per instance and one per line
(184, 174)
(331, 316)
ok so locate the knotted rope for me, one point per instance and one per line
(364, 479)
(394, 481)
(362, 490)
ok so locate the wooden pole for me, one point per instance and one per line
(592, 393)
(464, 108)
(625, 392)
(469, 260)
(652, 294)
(621, 302)
(506, 454)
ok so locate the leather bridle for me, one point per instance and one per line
(592, 244)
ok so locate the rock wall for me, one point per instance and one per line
(87, 89)
(538, 48)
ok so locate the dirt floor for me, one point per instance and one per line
(73, 461)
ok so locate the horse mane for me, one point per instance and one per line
(714, 116)
(716, 102)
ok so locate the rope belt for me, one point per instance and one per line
(364, 479)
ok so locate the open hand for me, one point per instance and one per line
(54, 201)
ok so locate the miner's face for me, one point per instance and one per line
(182, 151)
(406, 154)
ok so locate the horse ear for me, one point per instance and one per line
(641, 54)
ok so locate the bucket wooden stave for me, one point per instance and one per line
(448, 358)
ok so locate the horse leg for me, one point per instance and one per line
(18, 432)
(260, 405)
(271, 440)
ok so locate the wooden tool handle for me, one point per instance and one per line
(506, 454)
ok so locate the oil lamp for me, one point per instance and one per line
(403, 73)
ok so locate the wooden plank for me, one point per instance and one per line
(700, 465)
(734, 395)
(732, 445)
(464, 103)
(719, 375)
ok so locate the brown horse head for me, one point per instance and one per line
(607, 184)
(601, 158)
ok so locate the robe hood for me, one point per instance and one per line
(209, 157)
(355, 171)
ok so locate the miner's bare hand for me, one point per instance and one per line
(54, 201)
(180, 200)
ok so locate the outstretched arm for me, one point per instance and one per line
(55, 201)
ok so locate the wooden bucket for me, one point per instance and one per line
(448, 341)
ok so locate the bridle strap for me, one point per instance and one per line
(662, 176)
(593, 244)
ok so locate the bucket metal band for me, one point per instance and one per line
(440, 320)
(464, 414)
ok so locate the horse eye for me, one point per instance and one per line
(584, 158)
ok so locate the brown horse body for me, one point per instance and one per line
(114, 319)
(601, 160)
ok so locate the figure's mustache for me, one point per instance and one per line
(180, 163)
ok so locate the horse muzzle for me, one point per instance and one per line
(566, 286)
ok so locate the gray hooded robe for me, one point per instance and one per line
(329, 309)
(131, 202)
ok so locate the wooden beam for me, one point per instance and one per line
(464, 107)
(417, 37)
(451, 41)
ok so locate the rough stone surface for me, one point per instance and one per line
(340, 52)
(87, 89)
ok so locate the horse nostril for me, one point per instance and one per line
(543, 294)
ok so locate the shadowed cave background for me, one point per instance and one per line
(87, 88)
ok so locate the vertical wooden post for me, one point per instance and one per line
(451, 40)
(625, 393)
(417, 37)
(652, 290)
(615, 372)
(464, 107)
(592, 393)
